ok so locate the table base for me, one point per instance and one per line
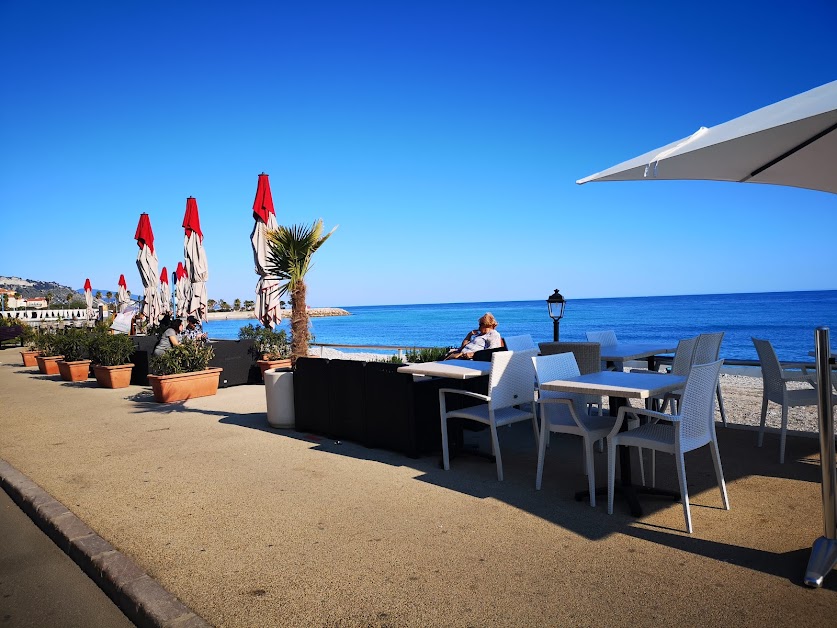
(631, 495)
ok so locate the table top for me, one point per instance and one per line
(623, 352)
(454, 369)
(618, 384)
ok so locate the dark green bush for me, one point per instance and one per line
(73, 344)
(267, 344)
(111, 349)
(187, 357)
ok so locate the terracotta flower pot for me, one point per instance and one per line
(77, 371)
(29, 358)
(284, 363)
(181, 386)
(48, 364)
(113, 376)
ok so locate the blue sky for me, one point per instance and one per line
(444, 138)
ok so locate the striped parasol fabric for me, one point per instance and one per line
(196, 266)
(267, 288)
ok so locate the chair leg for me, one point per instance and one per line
(445, 452)
(721, 404)
(591, 472)
(535, 430)
(763, 420)
(783, 433)
(684, 491)
(653, 468)
(719, 472)
(611, 473)
(495, 446)
(544, 436)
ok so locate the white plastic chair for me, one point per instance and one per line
(707, 350)
(519, 343)
(510, 384)
(605, 338)
(693, 428)
(566, 413)
(775, 381)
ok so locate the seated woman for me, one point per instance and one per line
(485, 336)
(170, 337)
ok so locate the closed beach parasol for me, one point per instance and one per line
(147, 265)
(165, 292)
(794, 143)
(122, 297)
(88, 297)
(181, 287)
(196, 266)
(267, 288)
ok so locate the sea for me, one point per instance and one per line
(787, 319)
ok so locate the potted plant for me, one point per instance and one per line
(28, 336)
(271, 348)
(47, 358)
(110, 354)
(72, 344)
(183, 372)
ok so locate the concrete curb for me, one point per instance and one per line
(136, 594)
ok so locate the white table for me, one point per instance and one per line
(624, 352)
(453, 369)
(620, 387)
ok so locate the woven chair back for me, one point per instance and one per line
(512, 378)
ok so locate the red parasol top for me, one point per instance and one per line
(164, 276)
(263, 205)
(144, 235)
(87, 285)
(180, 273)
(191, 220)
(122, 282)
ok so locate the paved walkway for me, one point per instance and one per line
(250, 526)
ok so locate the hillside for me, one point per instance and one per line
(29, 288)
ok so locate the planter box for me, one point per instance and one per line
(113, 376)
(77, 371)
(29, 358)
(48, 364)
(284, 363)
(182, 386)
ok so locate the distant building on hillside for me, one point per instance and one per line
(13, 303)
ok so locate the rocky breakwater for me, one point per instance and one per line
(313, 312)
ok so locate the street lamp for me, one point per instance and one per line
(556, 304)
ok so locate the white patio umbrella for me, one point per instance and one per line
(165, 292)
(88, 297)
(181, 288)
(147, 265)
(122, 298)
(793, 143)
(790, 143)
(268, 308)
(196, 266)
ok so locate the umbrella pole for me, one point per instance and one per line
(824, 551)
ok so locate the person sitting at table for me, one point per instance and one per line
(193, 330)
(170, 337)
(485, 336)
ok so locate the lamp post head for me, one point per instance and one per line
(556, 304)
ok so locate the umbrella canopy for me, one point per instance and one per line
(791, 143)
(182, 290)
(196, 266)
(122, 298)
(267, 288)
(165, 292)
(88, 297)
(147, 265)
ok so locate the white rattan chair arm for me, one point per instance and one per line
(466, 393)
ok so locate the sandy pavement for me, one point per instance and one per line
(251, 526)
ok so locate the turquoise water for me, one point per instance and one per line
(787, 319)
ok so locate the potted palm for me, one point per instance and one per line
(47, 357)
(289, 253)
(111, 354)
(28, 336)
(183, 372)
(271, 348)
(72, 344)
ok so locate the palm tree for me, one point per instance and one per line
(48, 298)
(109, 295)
(98, 295)
(237, 304)
(17, 299)
(69, 298)
(210, 304)
(249, 305)
(289, 252)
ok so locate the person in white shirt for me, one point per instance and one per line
(485, 336)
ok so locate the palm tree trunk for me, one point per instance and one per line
(299, 322)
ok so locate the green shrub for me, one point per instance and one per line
(267, 344)
(44, 343)
(187, 357)
(431, 354)
(111, 349)
(72, 344)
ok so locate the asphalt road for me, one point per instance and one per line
(40, 585)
